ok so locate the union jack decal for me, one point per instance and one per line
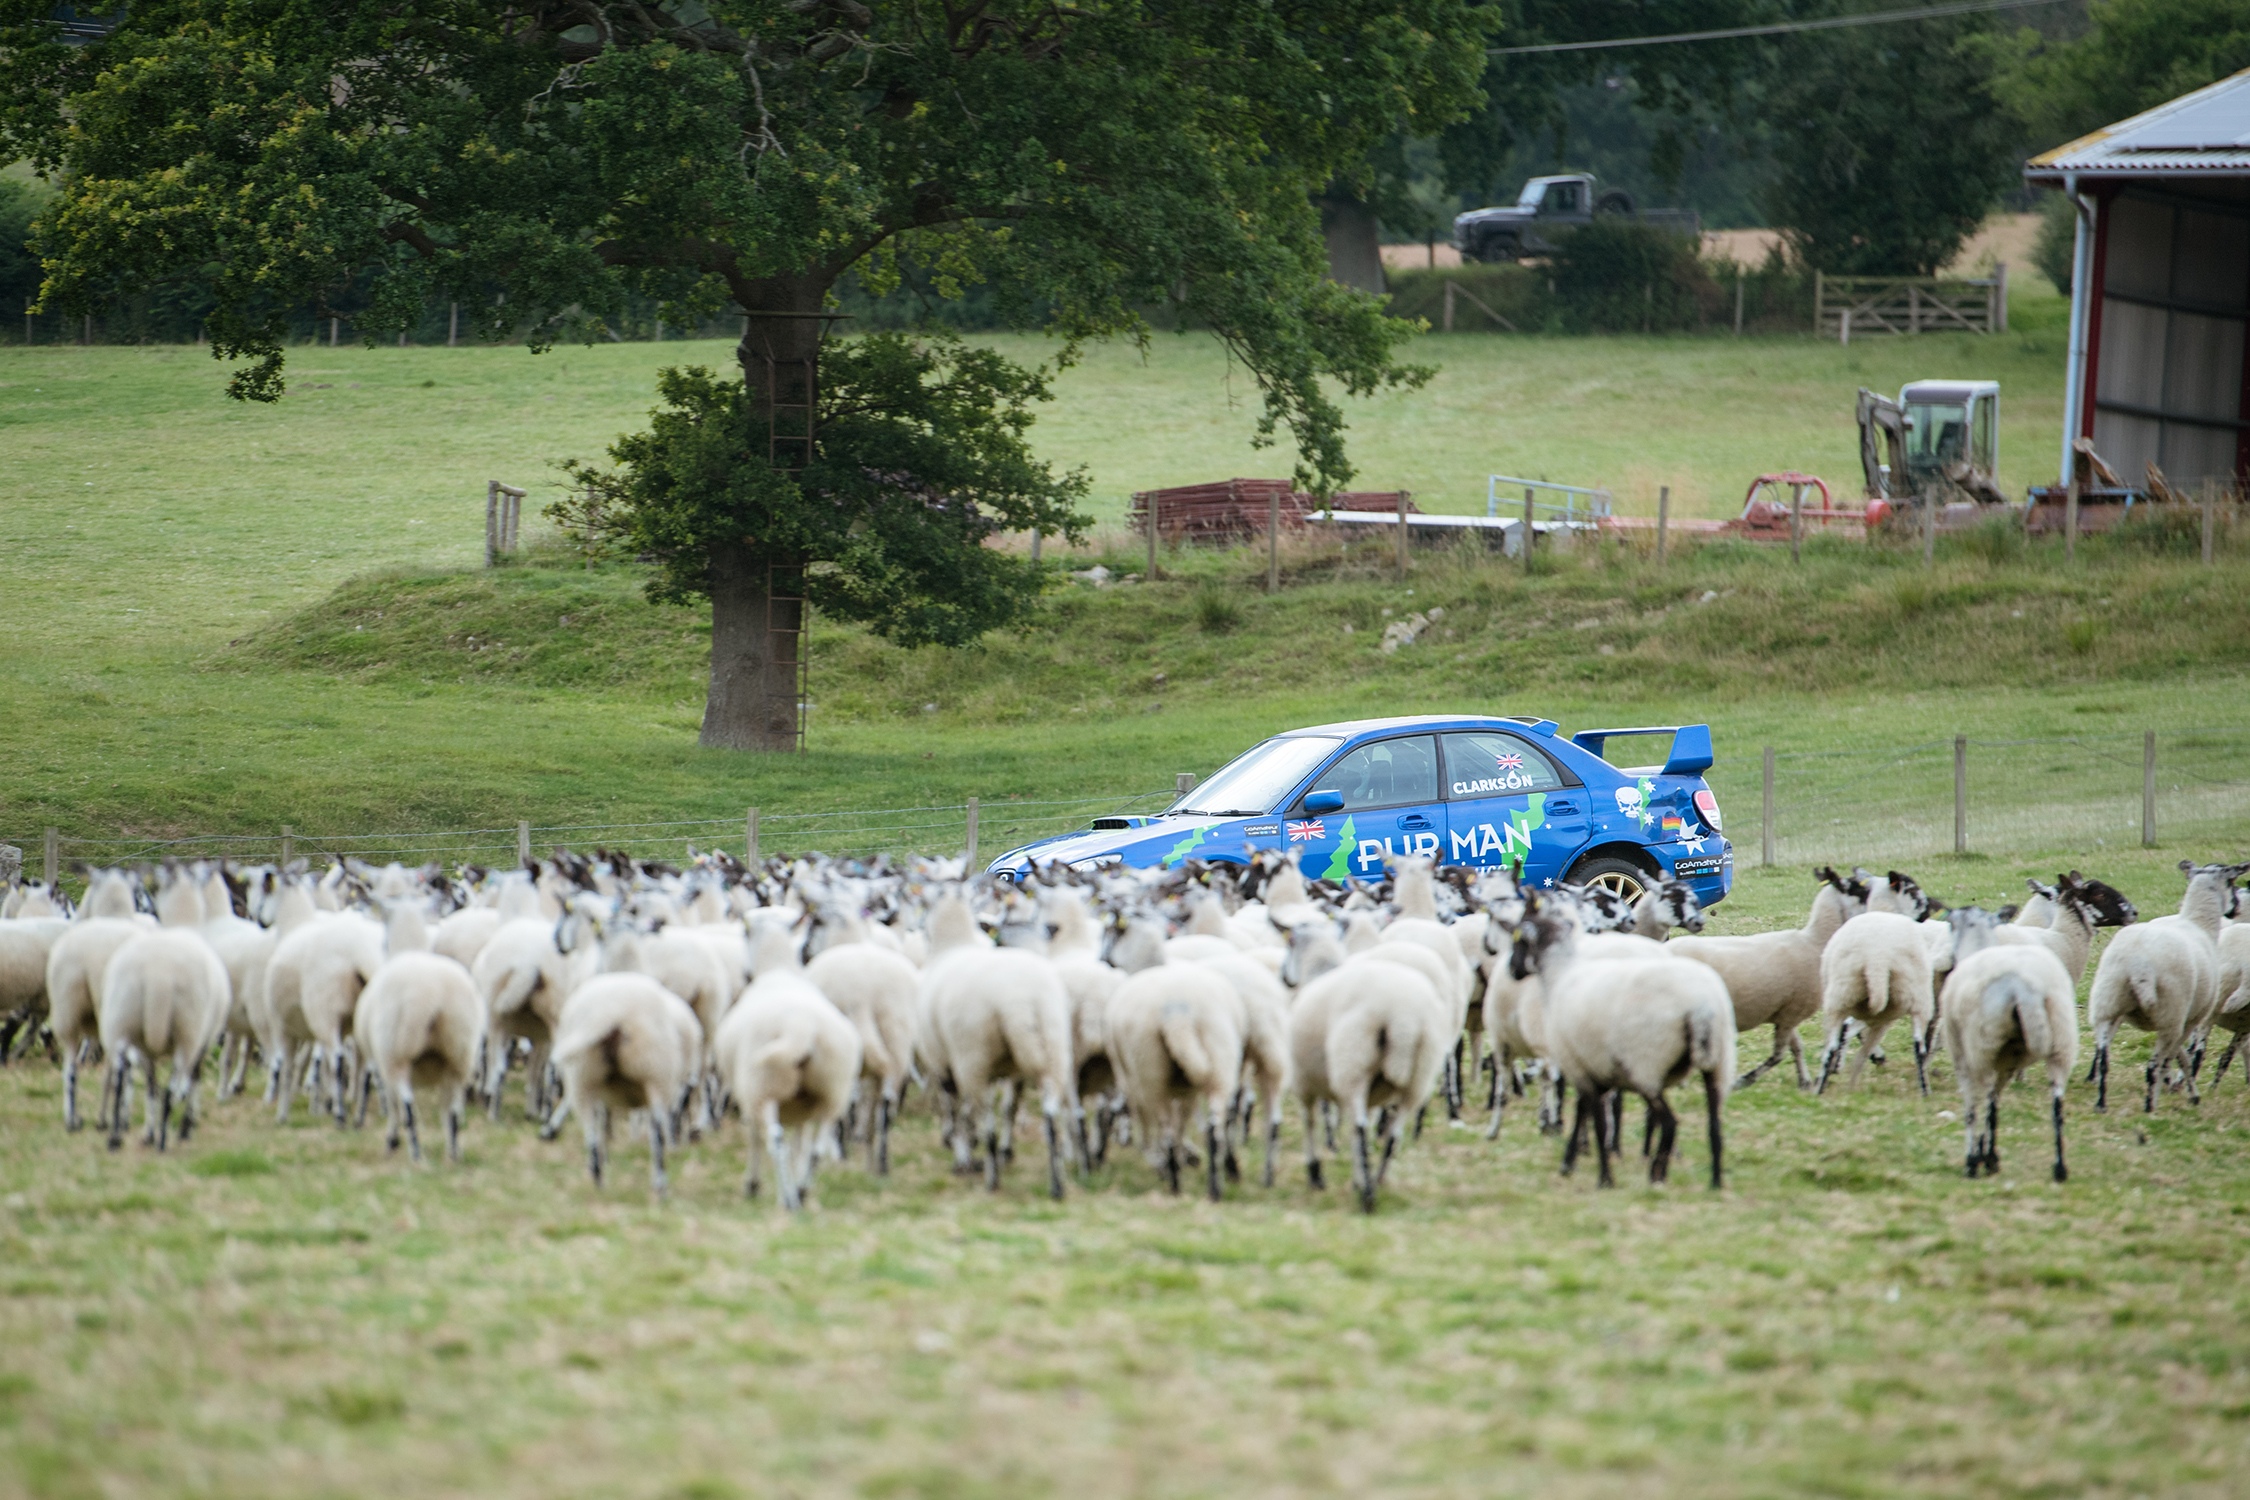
(1511, 762)
(1301, 832)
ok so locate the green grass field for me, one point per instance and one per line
(222, 619)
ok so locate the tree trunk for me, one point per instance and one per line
(758, 616)
(756, 639)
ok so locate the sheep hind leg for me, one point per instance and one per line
(391, 1133)
(658, 1183)
(882, 1144)
(1992, 1133)
(1211, 1173)
(2099, 1074)
(2062, 1173)
(114, 1097)
(1054, 1154)
(2226, 1059)
(1499, 1105)
(406, 1113)
(1666, 1126)
(71, 1061)
(1605, 1134)
(1922, 1061)
(991, 1149)
(453, 1131)
(1363, 1176)
(1273, 1137)
(1831, 1053)
(1390, 1149)
(1711, 1093)
(1312, 1148)
(1577, 1140)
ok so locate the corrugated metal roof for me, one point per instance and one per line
(2203, 134)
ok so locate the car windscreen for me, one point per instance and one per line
(1257, 780)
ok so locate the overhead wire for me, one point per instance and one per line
(1776, 28)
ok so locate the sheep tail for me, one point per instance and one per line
(780, 1063)
(1878, 988)
(1184, 1040)
(515, 991)
(2016, 992)
(1705, 1052)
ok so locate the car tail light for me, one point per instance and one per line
(1707, 805)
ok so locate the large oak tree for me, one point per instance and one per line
(1090, 160)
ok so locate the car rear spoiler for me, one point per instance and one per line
(1691, 745)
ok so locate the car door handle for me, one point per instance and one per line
(1562, 807)
(1415, 821)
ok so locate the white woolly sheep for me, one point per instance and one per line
(313, 984)
(525, 973)
(2076, 907)
(2234, 995)
(1365, 1034)
(164, 995)
(1873, 968)
(2005, 1007)
(1000, 1019)
(624, 1042)
(1175, 1045)
(1263, 1019)
(76, 965)
(792, 1059)
(879, 992)
(2162, 976)
(1636, 1023)
(1774, 977)
(419, 1026)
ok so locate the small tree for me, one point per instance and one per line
(1094, 160)
(920, 457)
(1888, 147)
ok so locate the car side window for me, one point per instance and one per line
(1388, 773)
(1482, 763)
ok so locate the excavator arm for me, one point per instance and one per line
(1882, 425)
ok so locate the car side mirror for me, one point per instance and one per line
(1321, 804)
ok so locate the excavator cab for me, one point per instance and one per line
(1936, 431)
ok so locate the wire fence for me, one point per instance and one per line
(1999, 796)
(948, 829)
(2057, 794)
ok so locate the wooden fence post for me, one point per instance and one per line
(1663, 516)
(2148, 789)
(1844, 328)
(750, 839)
(523, 842)
(1273, 542)
(1402, 536)
(1183, 782)
(54, 856)
(1447, 325)
(288, 845)
(1998, 320)
(491, 523)
(1530, 533)
(1796, 522)
(1766, 857)
(2070, 515)
(453, 325)
(1150, 576)
(969, 863)
(1960, 794)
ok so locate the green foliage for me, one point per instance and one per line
(1086, 162)
(2055, 251)
(20, 202)
(2135, 55)
(1216, 612)
(1614, 276)
(1888, 146)
(922, 455)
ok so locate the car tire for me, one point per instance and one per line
(1624, 877)
(1613, 204)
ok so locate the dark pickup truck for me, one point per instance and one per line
(1547, 210)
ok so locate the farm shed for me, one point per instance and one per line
(2159, 368)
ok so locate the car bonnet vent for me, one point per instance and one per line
(1101, 824)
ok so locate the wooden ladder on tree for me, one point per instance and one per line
(788, 625)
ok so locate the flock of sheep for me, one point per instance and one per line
(1177, 1009)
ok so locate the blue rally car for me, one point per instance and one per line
(1465, 789)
